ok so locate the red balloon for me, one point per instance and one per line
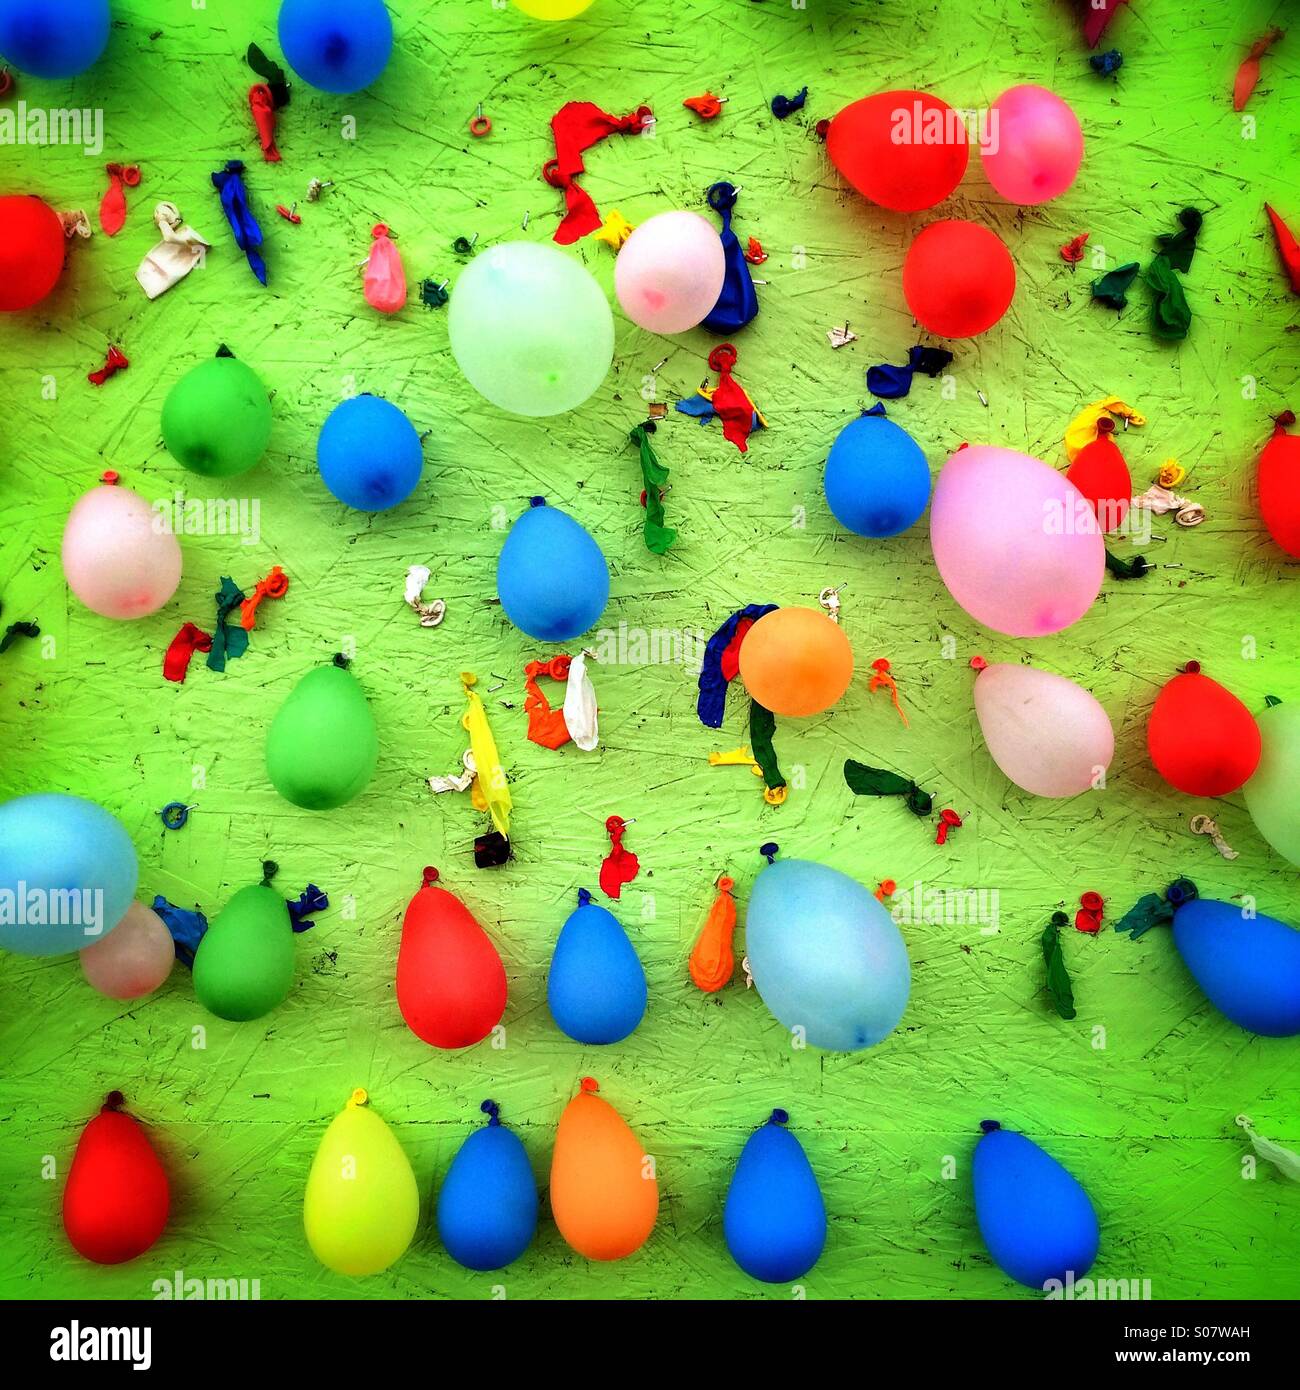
(958, 279)
(1202, 739)
(903, 150)
(1279, 487)
(1100, 473)
(32, 247)
(116, 1201)
(451, 985)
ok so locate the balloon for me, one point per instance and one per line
(552, 577)
(553, 9)
(604, 1195)
(774, 1218)
(877, 480)
(596, 987)
(361, 1206)
(244, 965)
(1035, 1218)
(120, 557)
(134, 959)
(68, 873)
(369, 454)
(1279, 488)
(322, 747)
(487, 1208)
(1015, 541)
(1048, 735)
(796, 661)
(216, 420)
(1273, 792)
(336, 45)
(53, 40)
(530, 329)
(1035, 145)
(32, 249)
(1202, 739)
(826, 956)
(1101, 475)
(1249, 967)
(669, 272)
(903, 150)
(451, 984)
(116, 1201)
(958, 279)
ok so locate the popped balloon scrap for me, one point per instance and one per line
(620, 865)
(1058, 977)
(179, 251)
(112, 207)
(1288, 248)
(893, 383)
(228, 640)
(430, 613)
(229, 183)
(713, 962)
(577, 126)
(737, 300)
(1248, 74)
(721, 662)
(878, 781)
(783, 106)
(654, 476)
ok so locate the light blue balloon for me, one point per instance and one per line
(65, 859)
(825, 955)
(596, 987)
(774, 1219)
(1249, 967)
(53, 38)
(369, 454)
(487, 1208)
(552, 578)
(877, 480)
(1034, 1216)
(336, 45)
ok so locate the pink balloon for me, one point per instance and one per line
(134, 958)
(1015, 541)
(669, 274)
(119, 557)
(1034, 145)
(1047, 734)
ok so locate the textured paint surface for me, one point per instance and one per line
(1137, 1095)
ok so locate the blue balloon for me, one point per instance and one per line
(67, 874)
(877, 480)
(825, 955)
(487, 1208)
(369, 454)
(1036, 1220)
(774, 1218)
(53, 39)
(336, 45)
(1249, 967)
(596, 987)
(552, 578)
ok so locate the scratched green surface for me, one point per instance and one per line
(1137, 1095)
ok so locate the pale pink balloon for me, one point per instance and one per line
(134, 958)
(1047, 734)
(119, 556)
(669, 274)
(1032, 146)
(1015, 541)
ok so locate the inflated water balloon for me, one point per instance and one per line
(68, 873)
(1278, 480)
(1101, 475)
(1035, 145)
(216, 420)
(120, 557)
(1202, 739)
(530, 329)
(322, 746)
(53, 40)
(903, 150)
(877, 480)
(827, 958)
(595, 988)
(487, 1207)
(337, 45)
(774, 1219)
(552, 578)
(669, 272)
(451, 984)
(369, 454)
(1272, 794)
(32, 251)
(134, 959)
(1016, 543)
(796, 661)
(361, 1206)
(1036, 1219)
(1050, 736)
(244, 965)
(117, 1198)
(604, 1195)
(958, 279)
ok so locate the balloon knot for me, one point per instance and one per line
(1193, 668)
(114, 1100)
(341, 661)
(537, 501)
(584, 897)
(492, 1110)
(977, 663)
(726, 884)
(1105, 426)
(110, 477)
(769, 851)
(359, 1097)
(590, 1085)
(269, 870)
(1180, 891)
(430, 875)
(224, 351)
(779, 1117)
(1271, 700)
(988, 1126)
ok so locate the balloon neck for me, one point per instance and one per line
(778, 1117)
(1280, 422)
(358, 1097)
(113, 1102)
(977, 663)
(468, 679)
(537, 501)
(589, 1085)
(1271, 700)
(341, 661)
(110, 477)
(988, 1126)
(379, 230)
(1180, 892)
(584, 897)
(492, 1110)
(224, 351)
(269, 870)
(1105, 426)
(769, 851)
(726, 884)
(1193, 668)
(430, 876)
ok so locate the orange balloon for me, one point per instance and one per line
(796, 661)
(604, 1196)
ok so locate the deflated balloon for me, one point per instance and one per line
(1273, 792)
(120, 557)
(487, 1208)
(552, 577)
(216, 420)
(1248, 966)
(774, 1219)
(596, 987)
(322, 746)
(134, 959)
(244, 966)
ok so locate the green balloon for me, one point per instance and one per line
(322, 746)
(244, 966)
(1273, 792)
(216, 420)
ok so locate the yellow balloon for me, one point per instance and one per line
(362, 1205)
(552, 9)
